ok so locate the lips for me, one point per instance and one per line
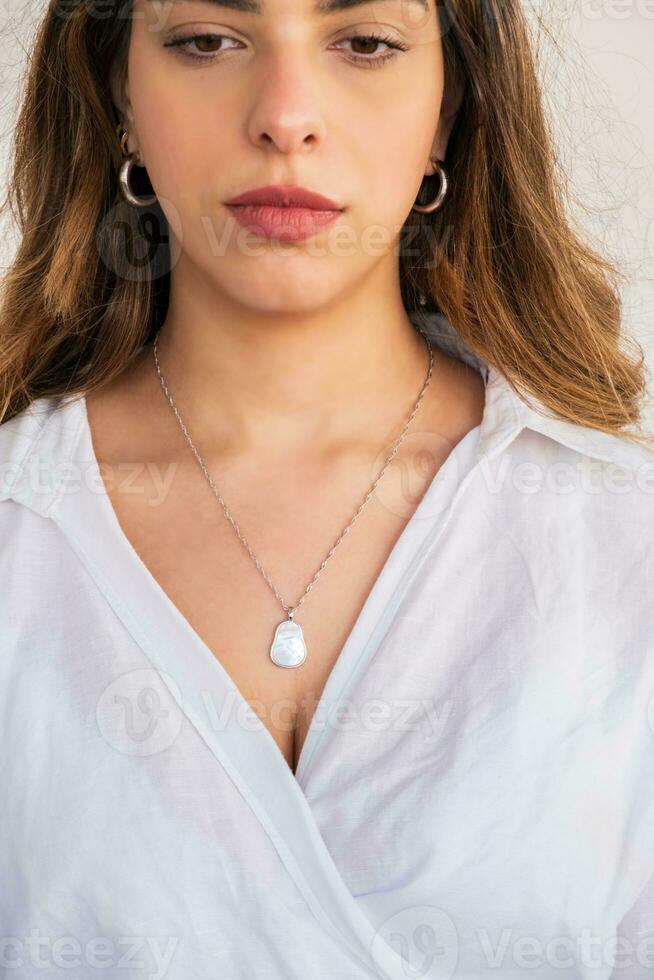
(284, 212)
(286, 224)
(284, 196)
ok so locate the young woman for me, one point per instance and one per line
(326, 565)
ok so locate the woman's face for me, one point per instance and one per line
(282, 92)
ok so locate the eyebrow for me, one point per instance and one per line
(322, 6)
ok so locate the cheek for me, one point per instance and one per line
(393, 154)
(183, 151)
(394, 138)
(162, 129)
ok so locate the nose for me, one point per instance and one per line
(287, 111)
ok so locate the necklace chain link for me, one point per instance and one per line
(290, 610)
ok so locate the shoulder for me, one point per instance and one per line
(34, 448)
(530, 442)
(33, 445)
(18, 437)
(581, 448)
(40, 579)
(598, 474)
(568, 496)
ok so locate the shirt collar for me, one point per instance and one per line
(507, 413)
(46, 431)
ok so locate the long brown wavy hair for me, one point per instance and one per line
(501, 261)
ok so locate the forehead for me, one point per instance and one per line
(260, 7)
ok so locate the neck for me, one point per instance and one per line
(308, 381)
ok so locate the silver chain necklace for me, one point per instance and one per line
(288, 648)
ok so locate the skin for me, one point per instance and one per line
(294, 365)
(283, 102)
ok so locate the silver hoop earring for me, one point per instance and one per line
(442, 191)
(125, 174)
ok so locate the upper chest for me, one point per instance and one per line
(290, 521)
(195, 555)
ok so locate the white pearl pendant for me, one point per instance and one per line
(288, 647)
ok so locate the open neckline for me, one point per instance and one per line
(415, 531)
(248, 753)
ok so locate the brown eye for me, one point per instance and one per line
(370, 43)
(209, 46)
(203, 40)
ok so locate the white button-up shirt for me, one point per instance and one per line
(475, 796)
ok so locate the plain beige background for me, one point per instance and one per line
(597, 65)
